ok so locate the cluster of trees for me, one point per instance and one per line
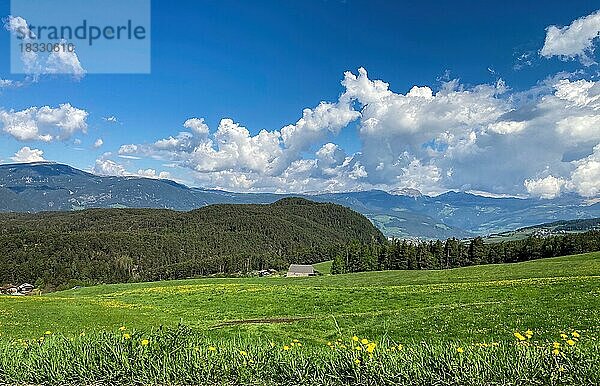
(358, 256)
(121, 245)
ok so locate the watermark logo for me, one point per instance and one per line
(79, 36)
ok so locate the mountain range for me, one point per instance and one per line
(44, 186)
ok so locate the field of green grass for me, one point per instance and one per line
(528, 323)
(475, 304)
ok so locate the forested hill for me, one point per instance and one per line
(119, 245)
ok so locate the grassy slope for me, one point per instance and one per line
(475, 304)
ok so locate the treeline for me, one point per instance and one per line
(60, 249)
(358, 256)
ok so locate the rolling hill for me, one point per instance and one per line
(120, 245)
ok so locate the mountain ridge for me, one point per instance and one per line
(50, 186)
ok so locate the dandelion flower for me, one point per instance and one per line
(357, 361)
(371, 348)
(212, 348)
(286, 347)
(126, 336)
(460, 350)
(575, 334)
(243, 353)
(145, 342)
(355, 338)
(555, 345)
(358, 348)
(364, 341)
(299, 344)
(528, 334)
(329, 344)
(48, 333)
(399, 347)
(519, 336)
(122, 328)
(555, 351)
(295, 341)
(571, 342)
(564, 336)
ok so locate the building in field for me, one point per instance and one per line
(297, 270)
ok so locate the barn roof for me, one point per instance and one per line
(298, 268)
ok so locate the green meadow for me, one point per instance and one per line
(479, 303)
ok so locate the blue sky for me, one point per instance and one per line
(261, 63)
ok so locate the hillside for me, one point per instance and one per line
(120, 245)
(405, 213)
(548, 229)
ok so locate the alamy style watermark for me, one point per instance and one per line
(79, 36)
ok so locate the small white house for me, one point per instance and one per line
(298, 270)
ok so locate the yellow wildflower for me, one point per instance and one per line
(126, 336)
(556, 351)
(243, 353)
(122, 328)
(575, 334)
(364, 341)
(145, 342)
(286, 347)
(48, 333)
(519, 336)
(358, 348)
(371, 347)
(555, 345)
(328, 343)
(212, 348)
(299, 344)
(355, 338)
(564, 336)
(528, 334)
(357, 361)
(460, 350)
(343, 346)
(399, 347)
(571, 342)
(561, 369)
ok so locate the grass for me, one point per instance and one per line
(324, 267)
(467, 303)
(431, 313)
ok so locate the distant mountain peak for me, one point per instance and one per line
(408, 192)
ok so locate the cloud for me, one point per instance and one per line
(548, 187)
(44, 123)
(106, 167)
(26, 155)
(575, 41)
(34, 64)
(484, 138)
(99, 142)
(197, 126)
(111, 119)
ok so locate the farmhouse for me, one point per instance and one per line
(297, 270)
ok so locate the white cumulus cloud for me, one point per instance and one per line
(44, 123)
(576, 40)
(26, 155)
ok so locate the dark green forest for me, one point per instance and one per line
(358, 256)
(59, 249)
